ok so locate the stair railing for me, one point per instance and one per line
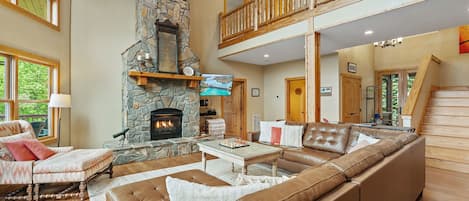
(426, 80)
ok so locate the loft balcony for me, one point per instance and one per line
(258, 17)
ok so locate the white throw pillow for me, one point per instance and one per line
(292, 136)
(248, 179)
(363, 141)
(180, 190)
(266, 130)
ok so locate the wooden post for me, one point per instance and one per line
(256, 14)
(313, 73)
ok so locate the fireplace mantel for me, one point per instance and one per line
(142, 78)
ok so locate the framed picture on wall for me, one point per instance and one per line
(255, 92)
(351, 67)
(326, 91)
(464, 39)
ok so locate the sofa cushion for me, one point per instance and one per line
(406, 138)
(292, 136)
(309, 156)
(358, 161)
(327, 137)
(355, 131)
(8, 128)
(19, 151)
(308, 185)
(387, 146)
(155, 189)
(294, 123)
(38, 149)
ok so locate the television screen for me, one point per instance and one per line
(216, 85)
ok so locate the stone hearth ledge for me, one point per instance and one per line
(152, 150)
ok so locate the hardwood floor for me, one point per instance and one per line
(441, 185)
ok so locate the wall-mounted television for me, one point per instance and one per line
(216, 85)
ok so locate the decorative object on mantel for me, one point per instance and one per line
(60, 101)
(142, 78)
(188, 71)
(255, 92)
(389, 43)
(351, 67)
(167, 48)
(144, 61)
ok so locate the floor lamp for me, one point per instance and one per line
(60, 101)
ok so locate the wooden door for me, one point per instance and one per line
(296, 99)
(351, 98)
(234, 110)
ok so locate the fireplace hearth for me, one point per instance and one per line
(166, 123)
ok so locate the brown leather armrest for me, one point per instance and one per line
(254, 136)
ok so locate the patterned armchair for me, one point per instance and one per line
(87, 164)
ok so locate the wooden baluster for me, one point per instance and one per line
(256, 15)
(220, 22)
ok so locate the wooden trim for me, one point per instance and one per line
(26, 13)
(28, 56)
(317, 73)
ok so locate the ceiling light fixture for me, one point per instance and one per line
(369, 32)
(389, 43)
(266, 55)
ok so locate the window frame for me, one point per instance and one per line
(53, 21)
(11, 86)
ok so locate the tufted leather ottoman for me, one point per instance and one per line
(155, 189)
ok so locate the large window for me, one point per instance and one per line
(25, 87)
(44, 11)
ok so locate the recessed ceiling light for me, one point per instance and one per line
(369, 32)
(266, 55)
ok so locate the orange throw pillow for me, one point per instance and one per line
(276, 135)
(19, 151)
(38, 149)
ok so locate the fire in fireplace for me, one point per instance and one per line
(166, 123)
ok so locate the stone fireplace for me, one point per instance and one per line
(166, 124)
(139, 101)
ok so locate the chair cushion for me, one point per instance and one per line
(356, 162)
(8, 128)
(308, 185)
(309, 156)
(73, 161)
(327, 137)
(155, 189)
(19, 151)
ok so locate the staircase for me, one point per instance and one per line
(446, 128)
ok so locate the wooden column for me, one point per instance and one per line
(313, 74)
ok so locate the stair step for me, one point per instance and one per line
(448, 131)
(447, 165)
(448, 111)
(447, 120)
(451, 94)
(447, 142)
(455, 88)
(449, 102)
(454, 155)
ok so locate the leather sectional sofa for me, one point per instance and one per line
(391, 170)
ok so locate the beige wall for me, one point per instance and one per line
(363, 56)
(23, 33)
(101, 31)
(443, 44)
(274, 87)
(204, 43)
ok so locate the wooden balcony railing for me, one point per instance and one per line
(257, 13)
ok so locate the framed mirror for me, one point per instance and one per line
(167, 48)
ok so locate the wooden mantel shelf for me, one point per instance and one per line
(142, 78)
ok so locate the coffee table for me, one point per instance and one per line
(244, 156)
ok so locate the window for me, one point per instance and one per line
(25, 87)
(43, 11)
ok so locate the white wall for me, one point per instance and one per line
(101, 31)
(274, 87)
(23, 33)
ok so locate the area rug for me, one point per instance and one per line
(217, 167)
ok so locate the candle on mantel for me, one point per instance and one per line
(147, 56)
(139, 58)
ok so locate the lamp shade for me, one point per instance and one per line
(60, 101)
